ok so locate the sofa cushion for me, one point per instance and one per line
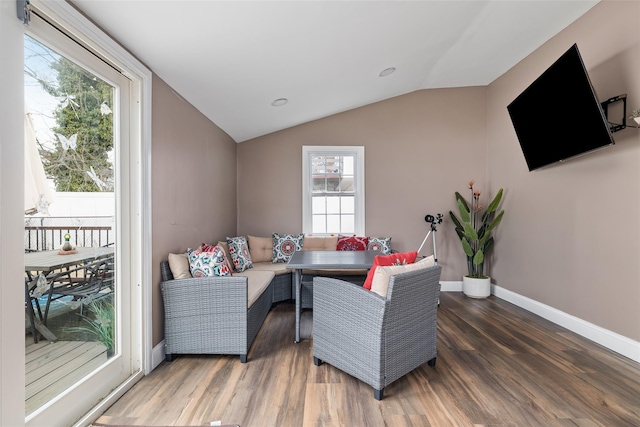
(278, 268)
(213, 263)
(352, 243)
(257, 282)
(380, 284)
(380, 244)
(260, 248)
(284, 245)
(392, 259)
(329, 243)
(239, 251)
(179, 266)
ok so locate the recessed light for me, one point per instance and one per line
(279, 102)
(387, 71)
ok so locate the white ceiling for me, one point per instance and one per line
(231, 59)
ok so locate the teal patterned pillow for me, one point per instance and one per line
(210, 263)
(239, 251)
(284, 245)
(381, 244)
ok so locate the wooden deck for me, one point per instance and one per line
(52, 367)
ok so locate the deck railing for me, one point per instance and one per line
(46, 233)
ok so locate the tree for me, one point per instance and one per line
(79, 160)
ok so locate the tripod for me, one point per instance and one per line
(433, 221)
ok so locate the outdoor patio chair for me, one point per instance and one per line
(375, 339)
(87, 281)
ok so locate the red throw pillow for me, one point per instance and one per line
(386, 260)
(352, 243)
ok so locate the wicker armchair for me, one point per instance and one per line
(374, 339)
(209, 315)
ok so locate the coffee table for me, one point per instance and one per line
(325, 260)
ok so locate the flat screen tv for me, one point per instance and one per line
(558, 116)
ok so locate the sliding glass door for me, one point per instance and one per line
(78, 221)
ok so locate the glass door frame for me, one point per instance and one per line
(65, 16)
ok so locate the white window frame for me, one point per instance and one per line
(310, 150)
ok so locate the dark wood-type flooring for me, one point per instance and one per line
(497, 365)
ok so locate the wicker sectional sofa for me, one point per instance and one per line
(223, 315)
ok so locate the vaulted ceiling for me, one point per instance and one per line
(233, 59)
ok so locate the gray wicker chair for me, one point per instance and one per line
(209, 315)
(374, 339)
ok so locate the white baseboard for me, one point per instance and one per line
(451, 286)
(611, 340)
(157, 355)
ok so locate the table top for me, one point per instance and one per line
(320, 260)
(46, 261)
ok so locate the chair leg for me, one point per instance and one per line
(243, 358)
(378, 393)
(169, 357)
(317, 361)
(432, 362)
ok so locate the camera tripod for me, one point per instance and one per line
(433, 220)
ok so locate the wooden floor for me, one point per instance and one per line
(52, 368)
(497, 365)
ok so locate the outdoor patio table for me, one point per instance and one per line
(325, 260)
(46, 262)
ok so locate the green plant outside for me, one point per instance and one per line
(101, 324)
(474, 229)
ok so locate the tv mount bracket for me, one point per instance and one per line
(615, 127)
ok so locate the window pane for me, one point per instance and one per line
(348, 205)
(333, 183)
(348, 224)
(318, 205)
(333, 205)
(318, 165)
(333, 224)
(346, 185)
(319, 184)
(348, 165)
(319, 224)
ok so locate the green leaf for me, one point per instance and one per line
(495, 222)
(464, 211)
(495, 202)
(470, 232)
(459, 198)
(455, 220)
(478, 258)
(467, 247)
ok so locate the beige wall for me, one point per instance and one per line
(419, 149)
(194, 183)
(570, 236)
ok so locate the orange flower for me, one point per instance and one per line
(471, 184)
(476, 193)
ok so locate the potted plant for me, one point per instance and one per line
(474, 229)
(101, 323)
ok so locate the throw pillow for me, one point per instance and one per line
(179, 266)
(352, 243)
(392, 259)
(284, 245)
(329, 243)
(239, 251)
(380, 284)
(213, 263)
(225, 247)
(260, 248)
(380, 244)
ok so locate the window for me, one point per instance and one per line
(333, 190)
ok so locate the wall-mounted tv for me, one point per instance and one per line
(558, 116)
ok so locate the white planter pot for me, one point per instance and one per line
(637, 120)
(476, 288)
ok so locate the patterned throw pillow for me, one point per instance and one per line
(402, 258)
(380, 244)
(284, 245)
(239, 251)
(352, 243)
(213, 263)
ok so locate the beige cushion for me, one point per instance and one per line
(257, 282)
(179, 266)
(380, 284)
(260, 248)
(278, 268)
(320, 243)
